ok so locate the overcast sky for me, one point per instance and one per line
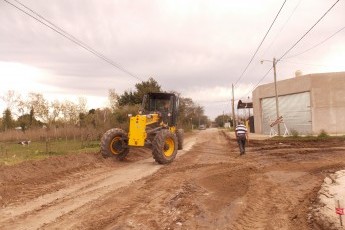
(198, 48)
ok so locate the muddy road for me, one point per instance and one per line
(208, 186)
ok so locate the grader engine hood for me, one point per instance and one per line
(137, 128)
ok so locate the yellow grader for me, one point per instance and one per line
(153, 127)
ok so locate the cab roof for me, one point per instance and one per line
(166, 96)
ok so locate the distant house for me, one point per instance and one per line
(244, 104)
(247, 105)
(308, 103)
(227, 125)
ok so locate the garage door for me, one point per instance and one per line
(295, 109)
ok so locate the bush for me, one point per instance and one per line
(294, 133)
(323, 134)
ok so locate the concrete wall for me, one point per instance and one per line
(327, 99)
(328, 102)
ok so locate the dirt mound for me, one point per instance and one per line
(274, 185)
(330, 197)
(30, 179)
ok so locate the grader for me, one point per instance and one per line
(153, 127)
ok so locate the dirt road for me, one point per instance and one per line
(273, 186)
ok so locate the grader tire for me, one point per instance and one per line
(164, 147)
(113, 144)
(180, 136)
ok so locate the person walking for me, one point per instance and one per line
(241, 133)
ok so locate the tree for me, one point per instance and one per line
(145, 87)
(69, 111)
(82, 104)
(186, 109)
(55, 108)
(191, 113)
(221, 119)
(135, 97)
(37, 110)
(113, 99)
(101, 118)
(81, 110)
(127, 98)
(31, 117)
(40, 107)
(23, 121)
(11, 99)
(82, 118)
(27, 121)
(7, 120)
(199, 113)
(90, 118)
(121, 115)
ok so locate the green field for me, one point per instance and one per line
(13, 153)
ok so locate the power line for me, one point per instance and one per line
(70, 37)
(54, 25)
(284, 60)
(282, 28)
(286, 52)
(225, 101)
(262, 78)
(299, 63)
(295, 45)
(316, 45)
(257, 49)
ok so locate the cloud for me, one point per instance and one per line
(197, 48)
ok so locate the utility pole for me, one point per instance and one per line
(233, 106)
(276, 94)
(248, 108)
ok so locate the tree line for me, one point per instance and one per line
(35, 111)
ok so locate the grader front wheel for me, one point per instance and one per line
(164, 147)
(113, 144)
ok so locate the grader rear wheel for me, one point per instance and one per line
(164, 148)
(113, 144)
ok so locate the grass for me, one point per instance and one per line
(323, 134)
(13, 153)
(309, 138)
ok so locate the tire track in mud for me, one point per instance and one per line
(47, 208)
(96, 183)
(211, 187)
(282, 191)
(172, 196)
(252, 216)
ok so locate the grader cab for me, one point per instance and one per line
(153, 127)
